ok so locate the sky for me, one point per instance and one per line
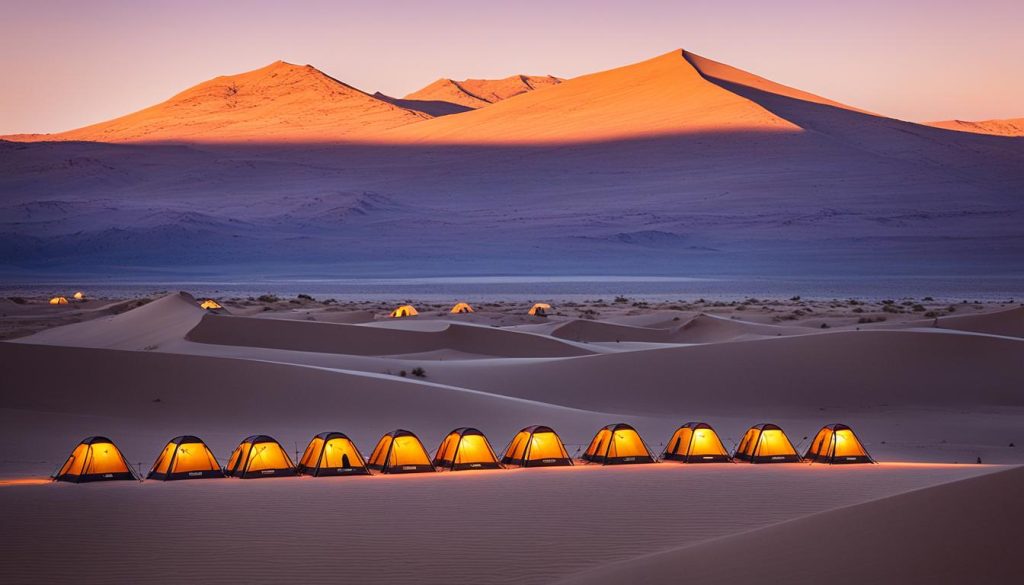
(66, 64)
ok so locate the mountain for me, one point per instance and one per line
(1007, 127)
(279, 102)
(678, 165)
(477, 93)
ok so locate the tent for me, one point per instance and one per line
(536, 446)
(185, 457)
(400, 451)
(331, 454)
(618, 444)
(696, 442)
(462, 308)
(58, 301)
(79, 296)
(405, 311)
(837, 443)
(95, 459)
(259, 456)
(466, 448)
(766, 443)
(540, 309)
(210, 305)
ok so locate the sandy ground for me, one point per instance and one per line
(930, 389)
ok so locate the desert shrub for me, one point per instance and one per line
(890, 308)
(267, 298)
(951, 308)
(795, 298)
(918, 308)
(888, 302)
(858, 310)
(621, 300)
(741, 308)
(927, 299)
(824, 325)
(419, 372)
(931, 314)
(17, 300)
(303, 297)
(403, 373)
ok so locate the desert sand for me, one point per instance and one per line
(928, 396)
(1007, 127)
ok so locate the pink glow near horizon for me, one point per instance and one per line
(67, 63)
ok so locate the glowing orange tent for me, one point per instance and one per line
(696, 442)
(618, 444)
(400, 451)
(462, 308)
(210, 305)
(259, 456)
(95, 459)
(331, 454)
(79, 296)
(837, 444)
(766, 443)
(540, 309)
(536, 446)
(465, 448)
(405, 311)
(59, 301)
(185, 457)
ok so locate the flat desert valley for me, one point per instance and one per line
(931, 388)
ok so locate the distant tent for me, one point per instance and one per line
(59, 301)
(835, 444)
(185, 457)
(405, 311)
(79, 296)
(210, 305)
(766, 443)
(95, 459)
(540, 309)
(696, 442)
(259, 456)
(618, 444)
(400, 451)
(536, 446)
(331, 454)
(466, 448)
(462, 308)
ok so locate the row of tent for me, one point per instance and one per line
(537, 310)
(401, 451)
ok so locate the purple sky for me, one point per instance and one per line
(71, 63)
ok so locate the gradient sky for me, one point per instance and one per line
(71, 63)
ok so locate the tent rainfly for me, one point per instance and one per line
(465, 448)
(259, 456)
(766, 443)
(79, 296)
(400, 451)
(185, 457)
(210, 305)
(696, 442)
(331, 454)
(405, 311)
(618, 444)
(837, 444)
(536, 446)
(95, 459)
(540, 310)
(462, 308)
(59, 301)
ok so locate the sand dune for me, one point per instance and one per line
(1007, 127)
(1009, 322)
(848, 369)
(477, 93)
(899, 539)
(146, 327)
(360, 340)
(279, 102)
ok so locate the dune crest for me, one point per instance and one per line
(477, 93)
(279, 102)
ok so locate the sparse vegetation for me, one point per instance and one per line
(419, 372)
(303, 297)
(267, 298)
(621, 300)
